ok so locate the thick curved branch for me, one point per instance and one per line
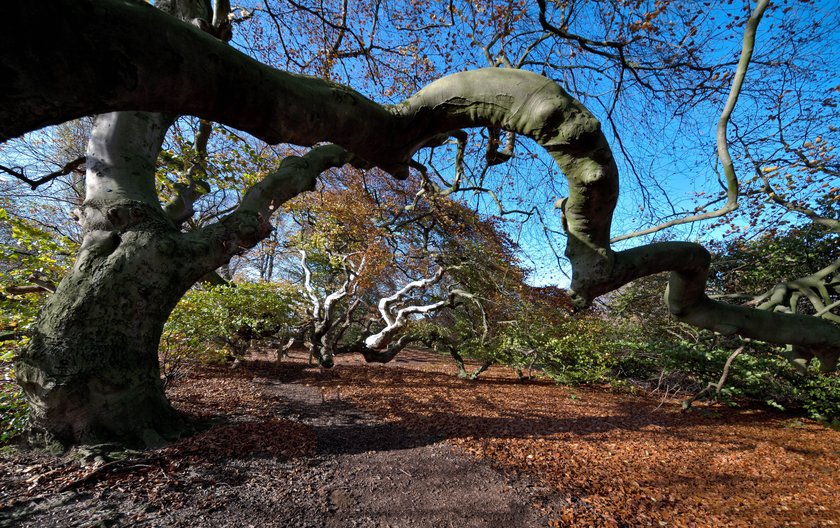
(326, 328)
(113, 66)
(107, 62)
(188, 71)
(386, 347)
(386, 303)
(397, 320)
(814, 287)
(348, 287)
(687, 301)
(215, 244)
(39, 285)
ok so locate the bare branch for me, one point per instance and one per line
(24, 290)
(308, 288)
(68, 167)
(722, 142)
(779, 199)
(716, 386)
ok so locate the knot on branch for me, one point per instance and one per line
(242, 231)
(121, 216)
(97, 244)
(125, 216)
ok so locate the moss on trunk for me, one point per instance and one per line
(91, 371)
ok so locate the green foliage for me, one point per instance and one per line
(581, 351)
(821, 398)
(26, 249)
(13, 411)
(755, 266)
(573, 350)
(27, 253)
(763, 375)
(655, 349)
(218, 323)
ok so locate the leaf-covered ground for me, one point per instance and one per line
(408, 444)
(617, 459)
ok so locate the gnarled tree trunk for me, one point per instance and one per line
(91, 370)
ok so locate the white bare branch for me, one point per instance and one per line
(396, 321)
(386, 303)
(307, 285)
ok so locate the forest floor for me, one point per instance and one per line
(410, 445)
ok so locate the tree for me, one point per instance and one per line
(91, 370)
(376, 257)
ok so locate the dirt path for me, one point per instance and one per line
(618, 459)
(361, 471)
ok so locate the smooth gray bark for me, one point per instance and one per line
(91, 370)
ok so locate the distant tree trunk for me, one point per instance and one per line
(463, 373)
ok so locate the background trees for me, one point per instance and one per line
(142, 235)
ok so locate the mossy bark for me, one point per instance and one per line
(91, 371)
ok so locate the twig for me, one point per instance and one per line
(68, 167)
(717, 386)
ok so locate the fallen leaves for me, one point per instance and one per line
(613, 459)
(273, 437)
(164, 475)
(622, 459)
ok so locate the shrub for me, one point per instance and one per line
(573, 350)
(761, 374)
(13, 407)
(582, 350)
(821, 398)
(13, 411)
(212, 325)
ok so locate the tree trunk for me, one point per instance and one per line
(91, 371)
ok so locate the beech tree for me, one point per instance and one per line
(376, 255)
(91, 370)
